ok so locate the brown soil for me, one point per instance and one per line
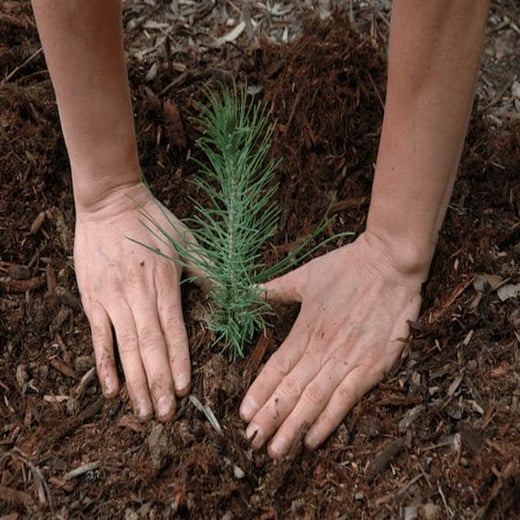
(440, 437)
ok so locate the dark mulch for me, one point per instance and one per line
(440, 435)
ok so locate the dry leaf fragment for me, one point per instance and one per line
(230, 36)
(515, 89)
(38, 223)
(508, 291)
(492, 280)
(410, 417)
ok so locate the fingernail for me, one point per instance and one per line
(141, 410)
(278, 446)
(109, 387)
(311, 441)
(248, 409)
(164, 406)
(181, 381)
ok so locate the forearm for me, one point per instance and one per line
(82, 41)
(433, 63)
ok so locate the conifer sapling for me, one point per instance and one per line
(228, 235)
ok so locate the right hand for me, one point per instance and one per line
(356, 303)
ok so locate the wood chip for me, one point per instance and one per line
(55, 398)
(384, 458)
(451, 299)
(133, 423)
(174, 126)
(19, 272)
(38, 223)
(10, 286)
(81, 387)
(10, 495)
(207, 411)
(455, 384)
(62, 367)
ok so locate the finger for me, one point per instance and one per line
(347, 394)
(369, 366)
(103, 343)
(282, 402)
(200, 277)
(174, 330)
(193, 261)
(135, 376)
(155, 359)
(286, 288)
(313, 400)
(278, 366)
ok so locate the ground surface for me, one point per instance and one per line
(440, 438)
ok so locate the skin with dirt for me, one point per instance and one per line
(439, 436)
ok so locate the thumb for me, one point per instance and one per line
(193, 260)
(200, 277)
(285, 288)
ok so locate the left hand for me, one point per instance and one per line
(355, 306)
(135, 293)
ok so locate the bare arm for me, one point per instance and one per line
(84, 53)
(433, 63)
(356, 301)
(122, 285)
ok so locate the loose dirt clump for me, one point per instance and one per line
(326, 94)
(439, 438)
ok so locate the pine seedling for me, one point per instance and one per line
(229, 234)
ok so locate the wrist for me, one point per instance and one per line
(99, 174)
(120, 199)
(408, 256)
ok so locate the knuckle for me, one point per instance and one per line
(167, 269)
(150, 339)
(350, 395)
(291, 386)
(104, 361)
(281, 364)
(127, 342)
(137, 386)
(173, 324)
(315, 394)
(100, 338)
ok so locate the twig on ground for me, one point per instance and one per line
(44, 494)
(21, 66)
(206, 410)
(80, 388)
(81, 470)
(384, 458)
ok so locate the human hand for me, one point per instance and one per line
(125, 286)
(353, 322)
